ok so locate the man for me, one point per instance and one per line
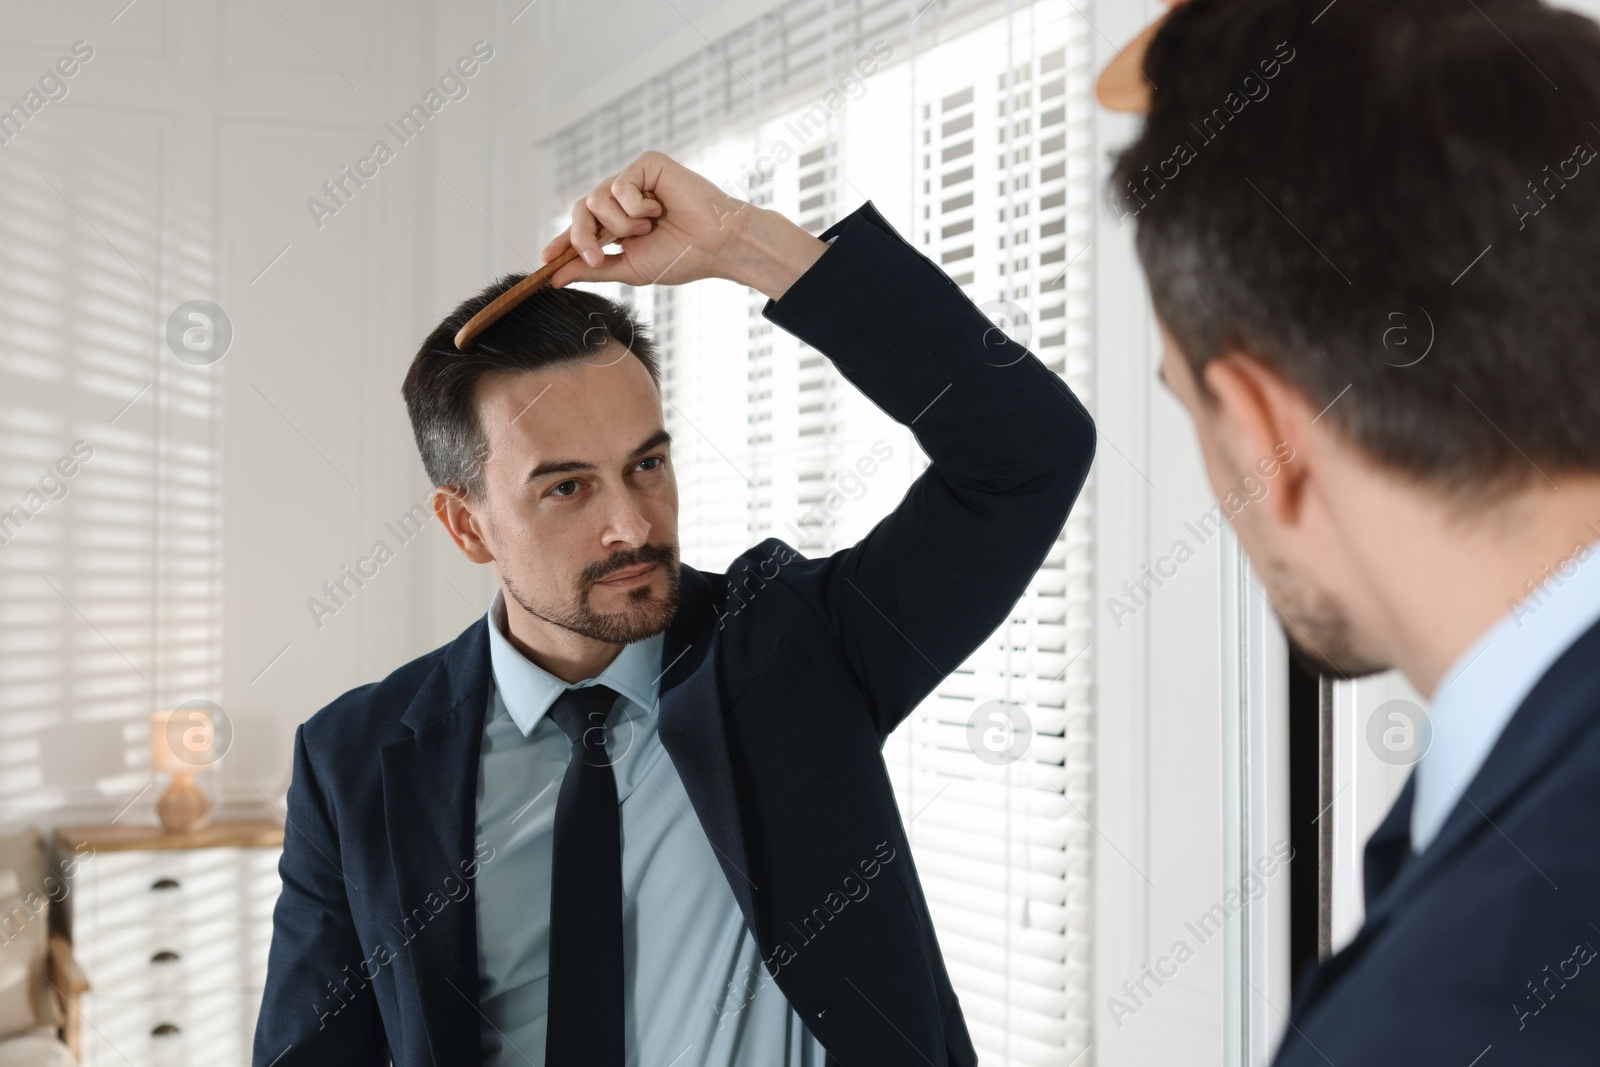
(638, 813)
(1372, 231)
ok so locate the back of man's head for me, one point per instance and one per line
(1335, 190)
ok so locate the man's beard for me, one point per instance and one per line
(1319, 632)
(646, 615)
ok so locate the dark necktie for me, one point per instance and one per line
(1389, 847)
(584, 1025)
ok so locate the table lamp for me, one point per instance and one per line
(177, 748)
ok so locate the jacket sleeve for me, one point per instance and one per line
(1009, 445)
(312, 1010)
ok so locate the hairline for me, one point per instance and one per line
(477, 437)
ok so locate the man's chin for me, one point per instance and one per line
(643, 610)
(1321, 648)
(1345, 668)
(1320, 634)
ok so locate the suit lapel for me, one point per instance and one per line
(693, 732)
(430, 808)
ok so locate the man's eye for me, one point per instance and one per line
(658, 460)
(554, 490)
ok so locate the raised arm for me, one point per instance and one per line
(1009, 443)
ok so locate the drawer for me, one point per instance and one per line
(162, 960)
(215, 1030)
(172, 887)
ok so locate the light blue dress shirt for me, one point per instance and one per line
(1487, 682)
(694, 987)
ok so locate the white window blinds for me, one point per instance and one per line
(967, 124)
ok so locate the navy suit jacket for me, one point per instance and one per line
(1488, 943)
(785, 675)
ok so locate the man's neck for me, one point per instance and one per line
(1442, 583)
(559, 652)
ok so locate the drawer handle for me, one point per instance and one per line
(164, 956)
(164, 883)
(164, 1030)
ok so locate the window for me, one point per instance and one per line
(959, 135)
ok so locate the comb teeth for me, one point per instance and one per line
(500, 305)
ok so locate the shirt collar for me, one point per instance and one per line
(528, 690)
(1485, 685)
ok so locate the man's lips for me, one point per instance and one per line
(626, 575)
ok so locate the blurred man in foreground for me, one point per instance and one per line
(1372, 231)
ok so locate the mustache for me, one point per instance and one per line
(665, 554)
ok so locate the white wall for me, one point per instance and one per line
(220, 497)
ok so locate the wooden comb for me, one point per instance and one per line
(536, 280)
(1122, 85)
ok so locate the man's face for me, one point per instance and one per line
(580, 490)
(1298, 560)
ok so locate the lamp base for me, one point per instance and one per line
(183, 807)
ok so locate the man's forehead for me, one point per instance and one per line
(594, 406)
(511, 395)
(605, 373)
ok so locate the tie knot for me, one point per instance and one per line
(581, 713)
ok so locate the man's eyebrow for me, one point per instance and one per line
(572, 466)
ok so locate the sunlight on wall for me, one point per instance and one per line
(109, 574)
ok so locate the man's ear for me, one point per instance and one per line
(459, 519)
(1262, 424)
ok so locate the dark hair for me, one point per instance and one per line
(549, 328)
(1408, 172)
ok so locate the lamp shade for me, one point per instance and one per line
(180, 740)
